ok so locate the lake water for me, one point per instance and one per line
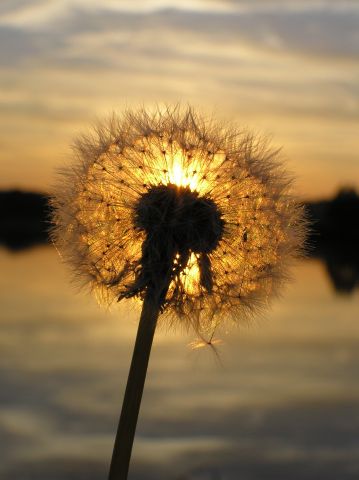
(279, 402)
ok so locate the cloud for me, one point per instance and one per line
(19, 6)
(69, 59)
(255, 50)
(321, 31)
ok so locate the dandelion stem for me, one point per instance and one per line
(134, 389)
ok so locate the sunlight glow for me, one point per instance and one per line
(183, 174)
(191, 276)
(172, 164)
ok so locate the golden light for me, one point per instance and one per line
(167, 162)
(190, 276)
(182, 174)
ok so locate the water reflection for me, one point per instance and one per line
(342, 266)
(25, 219)
(282, 404)
(335, 237)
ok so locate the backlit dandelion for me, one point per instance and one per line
(194, 219)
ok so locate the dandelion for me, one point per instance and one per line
(194, 219)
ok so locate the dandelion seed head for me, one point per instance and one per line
(175, 204)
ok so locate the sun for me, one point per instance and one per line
(169, 163)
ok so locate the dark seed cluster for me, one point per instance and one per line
(177, 222)
(180, 216)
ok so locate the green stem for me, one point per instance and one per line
(134, 389)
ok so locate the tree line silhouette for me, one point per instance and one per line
(333, 238)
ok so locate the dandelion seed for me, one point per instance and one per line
(202, 343)
(193, 219)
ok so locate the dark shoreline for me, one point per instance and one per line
(333, 238)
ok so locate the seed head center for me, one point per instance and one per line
(180, 215)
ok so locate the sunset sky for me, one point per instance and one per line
(288, 69)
